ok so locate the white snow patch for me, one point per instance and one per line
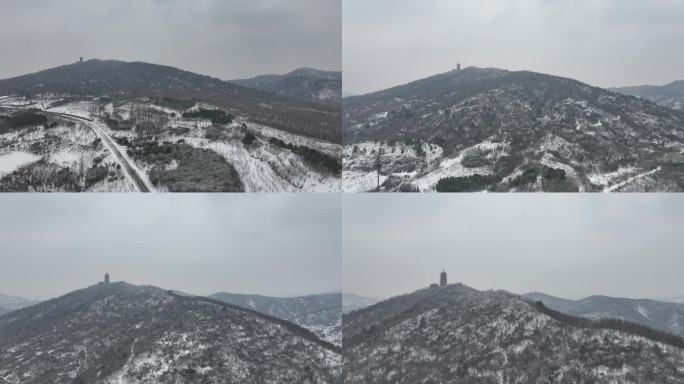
(13, 160)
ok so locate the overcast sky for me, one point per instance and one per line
(566, 245)
(604, 43)
(228, 39)
(278, 245)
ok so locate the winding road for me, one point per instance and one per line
(133, 173)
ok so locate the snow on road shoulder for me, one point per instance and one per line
(101, 129)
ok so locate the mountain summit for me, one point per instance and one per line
(457, 334)
(490, 129)
(124, 333)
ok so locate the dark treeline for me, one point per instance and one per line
(472, 183)
(613, 324)
(311, 156)
(216, 116)
(22, 119)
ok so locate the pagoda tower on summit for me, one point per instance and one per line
(442, 279)
(106, 281)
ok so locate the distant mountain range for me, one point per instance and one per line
(121, 333)
(670, 95)
(125, 80)
(352, 302)
(323, 87)
(660, 315)
(10, 303)
(457, 334)
(490, 129)
(322, 314)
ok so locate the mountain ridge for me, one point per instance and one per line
(320, 313)
(121, 79)
(458, 334)
(669, 95)
(309, 84)
(660, 315)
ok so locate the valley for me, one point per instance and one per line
(321, 314)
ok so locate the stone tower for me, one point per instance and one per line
(80, 59)
(458, 66)
(106, 278)
(442, 279)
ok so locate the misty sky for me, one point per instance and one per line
(272, 244)
(228, 39)
(566, 245)
(604, 43)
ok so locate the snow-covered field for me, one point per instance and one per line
(11, 161)
(59, 158)
(262, 168)
(402, 161)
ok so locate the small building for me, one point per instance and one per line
(442, 279)
(106, 281)
(434, 285)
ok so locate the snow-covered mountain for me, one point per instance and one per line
(456, 334)
(668, 317)
(322, 314)
(482, 129)
(323, 87)
(121, 333)
(670, 95)
(126, 80)
(352, 302)
(73, 143)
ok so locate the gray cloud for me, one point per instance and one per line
(604, 43)
(567, 245)
(224, 38)
(279, 245)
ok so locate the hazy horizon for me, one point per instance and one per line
(612, 43)
(272, 245)
(232, 39)
(570, 246)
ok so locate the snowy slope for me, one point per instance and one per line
(456, 334)
(120, 333)
(488, 129)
